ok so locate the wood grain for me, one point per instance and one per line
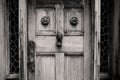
(23, 39)
(42, 29)
(73, 59)
(59, 58)
(97, 41)
(31, 29)
(69, 13)
(87, 40)
(59, 18)
(74, 68)
(2, 37)
(45, 68)
(70, 44)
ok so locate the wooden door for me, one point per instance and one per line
(60, 31)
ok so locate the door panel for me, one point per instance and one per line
(45, 68)
(69, 64)
(73, 28)
(74, 67)
(62, 40)
(69, 44)
(45, 21)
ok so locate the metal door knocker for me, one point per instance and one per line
(31, 56)
(45, 20)
(74, 21)
(59, 38)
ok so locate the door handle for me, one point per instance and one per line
(31, 56)
(59, 38)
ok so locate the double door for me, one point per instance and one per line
(60, 32)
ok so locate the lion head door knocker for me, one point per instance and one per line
(31, 56)
(74, 21)
(45, 20)
(59, 37)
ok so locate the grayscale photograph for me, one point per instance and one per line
(59, 39)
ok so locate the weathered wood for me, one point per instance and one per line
(45, 29)
(87, 40)
(31, 20)
(93, 40)
(74, 67)
(23, 39)
(45, 68)
(59, 18)
(70, 44)
(6, 35)
(31, 29)
(97, 40)
(69, 14)
(2, 41)
(59, 57)
(77, 63)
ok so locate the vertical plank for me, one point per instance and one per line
(2, 55)
(31, 30)
(97, 41)
(59, 56)
(74, 67)
(23, 38)
(59, 66)
(31, 20)
(87, 40)
(6, 34)
(45, 68)
(59, 18)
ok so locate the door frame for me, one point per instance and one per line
(95, 50)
